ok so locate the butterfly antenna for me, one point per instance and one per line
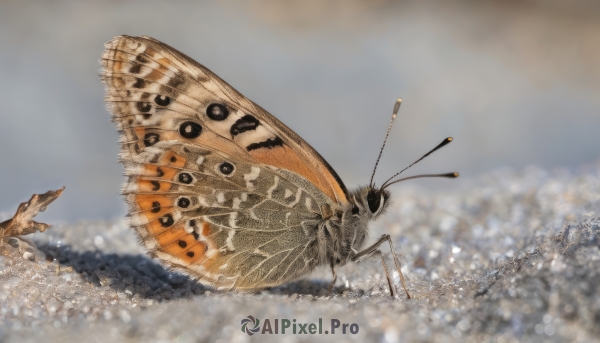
(394, 114)
(448, 175)
(442, 144)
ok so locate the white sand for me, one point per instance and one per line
(493, 260)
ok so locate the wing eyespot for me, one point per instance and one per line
(217, 112)
(185, 178)
(162, 100)
(166, 220)
(151, 138)
(190, 130)
(183, 202)
(226, 168)
(143, 106)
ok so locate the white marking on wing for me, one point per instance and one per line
(238, 201)
(232, 220)
(298, 196)
(151, 244)
(211, 252)
(260, 134)
(251, 176)
(130, 187)
(260, 252)
(229, 240)
(220, 197)
(253, 215)
(309, 205)
(288, 193)
(202, 201)
(134, 169)
(200, 160)
(136, 219)
(275, 184)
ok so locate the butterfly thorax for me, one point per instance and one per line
(341, 237)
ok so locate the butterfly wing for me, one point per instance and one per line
(150, 68)
(217, 187)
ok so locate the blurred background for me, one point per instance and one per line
(516, 83)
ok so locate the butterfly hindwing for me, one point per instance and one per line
(220, 218)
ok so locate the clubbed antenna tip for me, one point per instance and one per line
(394, 114)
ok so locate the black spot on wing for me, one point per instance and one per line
(151, 138)
(217, 112)
(175, 82)
(166, 220)
(162, 100)
(245, 123)
(269, 144)
(190, 130)
(135, 68)
(141, 59)
(139, 83)
(143, 106)
(183, 202)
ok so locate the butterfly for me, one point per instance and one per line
(221, 190)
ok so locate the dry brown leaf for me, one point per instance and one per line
(22, 222)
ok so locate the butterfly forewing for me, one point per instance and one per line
(217, 187)
(142, 64)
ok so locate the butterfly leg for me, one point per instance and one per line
(374, 249)
(334, 279)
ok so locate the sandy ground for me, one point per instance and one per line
(507, 257)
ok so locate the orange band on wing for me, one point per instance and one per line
(285, 158)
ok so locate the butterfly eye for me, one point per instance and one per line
(217, 112)
(374, 200)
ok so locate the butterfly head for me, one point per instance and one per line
(371, 202)
(375, 200)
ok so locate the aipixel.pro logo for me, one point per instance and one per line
(252, 326)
